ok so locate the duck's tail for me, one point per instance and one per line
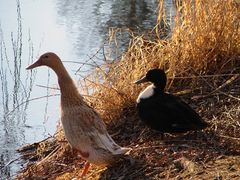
(202, 125)
(122, 150)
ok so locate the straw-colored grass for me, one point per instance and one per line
(201, 58)
(205, 41)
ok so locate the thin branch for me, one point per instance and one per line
(229, 137)
(82, 63)
(10, 162)
(47, 87)
(29, 100)
(218, 89)
(84, 95)
(203, 76)
(90, 58)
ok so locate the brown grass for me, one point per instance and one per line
(204, 41)
(202, 61)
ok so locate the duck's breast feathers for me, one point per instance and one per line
(84, 116)
(146, 93)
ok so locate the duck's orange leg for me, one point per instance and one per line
(86, 168)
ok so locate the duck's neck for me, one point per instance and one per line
(69, 91)
(159, 88)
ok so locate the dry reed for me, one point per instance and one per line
(204, 41)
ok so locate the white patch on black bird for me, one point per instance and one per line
(148, 92)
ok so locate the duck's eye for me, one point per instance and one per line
(45, 56)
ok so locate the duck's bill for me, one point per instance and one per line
(142, 80)
(36, 64)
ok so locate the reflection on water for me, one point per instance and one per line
(75, 30)
(88, 22)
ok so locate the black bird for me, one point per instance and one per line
(162, 111)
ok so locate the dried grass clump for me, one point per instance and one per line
(204, 41)
(201, 58)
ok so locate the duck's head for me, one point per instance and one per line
(48, 59)
(155, 76)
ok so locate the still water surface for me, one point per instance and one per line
(75, 30)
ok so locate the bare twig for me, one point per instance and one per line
(33, 99)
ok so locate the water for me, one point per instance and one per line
(75, 30)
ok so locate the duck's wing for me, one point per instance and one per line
(166, 112)
(183, 112)
(96, 132)
(158, 112)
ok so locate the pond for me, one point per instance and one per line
(76, 30)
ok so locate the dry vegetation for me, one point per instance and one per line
(202, 61)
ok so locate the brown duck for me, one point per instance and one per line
(84, 129)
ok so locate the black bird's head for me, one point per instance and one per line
(156, 76)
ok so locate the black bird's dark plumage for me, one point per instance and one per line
(165, 112)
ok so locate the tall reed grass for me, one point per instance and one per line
(15, 88)
(204, 41)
